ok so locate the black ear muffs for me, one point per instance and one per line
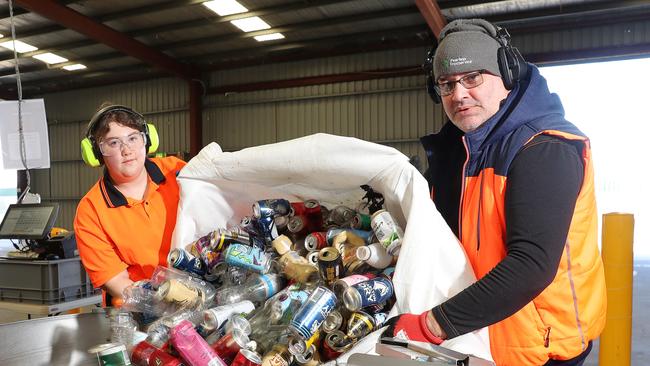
(512, 65)
(427, 67)
(90, 152)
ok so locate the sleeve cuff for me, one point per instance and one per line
(444, 323)
(432, 338)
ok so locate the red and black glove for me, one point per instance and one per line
(411, 327)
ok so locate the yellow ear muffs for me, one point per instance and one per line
(154, 140)
(88, 153)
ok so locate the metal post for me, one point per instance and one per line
(615, 341)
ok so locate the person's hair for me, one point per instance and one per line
(119, 116)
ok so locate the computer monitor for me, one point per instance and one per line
(29, 221)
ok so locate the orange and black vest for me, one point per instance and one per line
(570, 312)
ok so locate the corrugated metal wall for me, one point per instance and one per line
(395, 112)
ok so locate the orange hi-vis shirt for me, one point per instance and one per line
(115, 233)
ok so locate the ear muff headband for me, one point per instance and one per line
(512, 65)
(90, 152)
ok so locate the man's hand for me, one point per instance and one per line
(411, 327)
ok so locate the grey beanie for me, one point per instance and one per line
(466, 45)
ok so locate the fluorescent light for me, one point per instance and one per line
(74, 67)
(21, 47)
(269, 37)
(250, 24)
(225, 7)
(50, 58)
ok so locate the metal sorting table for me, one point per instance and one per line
(57, 340)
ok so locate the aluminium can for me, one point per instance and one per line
(111, 354)
(271, 208)
(387, 231)
(330, 264)
(246, 357)
(181, 259)
(144, 353)
(313, 312)
(316, 241)
(368, 293)
(248, 257)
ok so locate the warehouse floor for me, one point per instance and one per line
(640, 318)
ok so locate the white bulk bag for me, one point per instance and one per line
(218, 188)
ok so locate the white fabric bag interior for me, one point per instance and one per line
(218, 188)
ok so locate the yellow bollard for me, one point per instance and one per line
(615, 341)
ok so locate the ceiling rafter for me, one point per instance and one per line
(4, 14)
(112, 38)
(234, 36)
(388, 39)
(168, 27)
(431, 13)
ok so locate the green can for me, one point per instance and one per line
(111, 354)
(361, 222)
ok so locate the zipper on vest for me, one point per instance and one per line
(462, 192)
(547, 337)
(478, 220)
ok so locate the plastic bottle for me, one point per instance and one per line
(123, 327)
(293, 265)
(257, 288)
(375, 255)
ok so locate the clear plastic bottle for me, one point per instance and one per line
(123, 327)
(257, 288)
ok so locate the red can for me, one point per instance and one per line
(146, 354)
(247, 358)
(316, 241)
(334, 345)
(231, 343)
(311, 210)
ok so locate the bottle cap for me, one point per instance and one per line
(364, 253)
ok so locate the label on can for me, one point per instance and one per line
(375, 291)
(330, 264)
(111, 354)
(245, 256)
(312, 314)
(387, 231)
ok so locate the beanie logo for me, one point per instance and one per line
(459, 61)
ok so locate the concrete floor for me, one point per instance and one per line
(640, 318)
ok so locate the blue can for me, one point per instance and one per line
(268, 229)
(248, 257)
(181, 259)
(368, 293)
(313, 313)
(271, 208)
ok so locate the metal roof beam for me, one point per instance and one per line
(4, 14)
(167, 27)
(431, 13)
(114, 16)
(296, 27)
(229, 37)
(108, 36)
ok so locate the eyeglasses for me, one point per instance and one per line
(113, 145)
(469, 81)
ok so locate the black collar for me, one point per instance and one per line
(113, 197)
